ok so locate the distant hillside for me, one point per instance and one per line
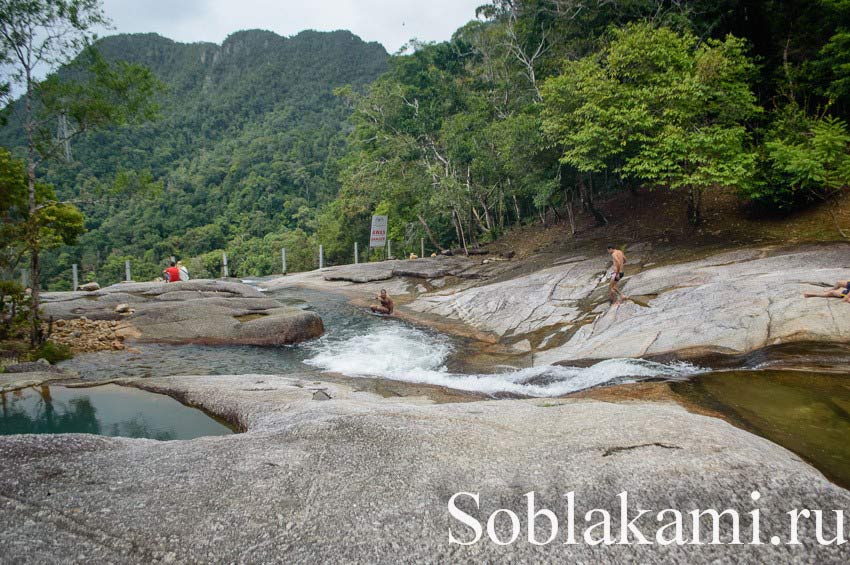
(242, 150)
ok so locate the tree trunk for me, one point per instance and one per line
(35, 270)
(695, 206)
(516, 207)
(459, 229)
(429, 233)
(571, 218)
(587, 201)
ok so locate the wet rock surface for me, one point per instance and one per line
(197, 311)
(730, 303)
(34, 377)
(359, 478)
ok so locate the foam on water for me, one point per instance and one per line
(408, 354)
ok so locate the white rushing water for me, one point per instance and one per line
(408, 354)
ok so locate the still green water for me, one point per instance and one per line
(807, 412)
(108, 410)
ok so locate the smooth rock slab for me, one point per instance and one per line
(196, 311)
(730, 303)
(520, 305)
(357, 478)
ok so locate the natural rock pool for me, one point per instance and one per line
(807, 412)
(108, 410)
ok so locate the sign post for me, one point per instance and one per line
(378, 237)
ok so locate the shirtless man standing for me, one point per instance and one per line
(840, 290)
(386, 306)
(619, 260)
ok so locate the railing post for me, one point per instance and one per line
(283, 259)
(422, 247)
(389, 248)
(127, 277)
(224, 265)
(74, 278)
(321, 256)
(356, 257)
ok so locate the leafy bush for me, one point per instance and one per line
(803, 159)
(14, 305)
(52, 352)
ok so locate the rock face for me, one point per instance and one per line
(730, 303)
(733, 302)
(357, 478)
(196, 311)
(521, 305)
(90, 287)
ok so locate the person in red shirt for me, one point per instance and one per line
(172, 273)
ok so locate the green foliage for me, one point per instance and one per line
(658, 106)
(14, 308)
(267, 142)
(51, 225)
(807, 158)
(246, 146)
(52, 352)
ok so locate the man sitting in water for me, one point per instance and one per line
(617, 273)
(386, 306)
(840, 290)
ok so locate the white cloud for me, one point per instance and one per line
(389, 22)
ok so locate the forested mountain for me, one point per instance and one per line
(534, 109)
(243, 152)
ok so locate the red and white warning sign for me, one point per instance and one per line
(379, 232)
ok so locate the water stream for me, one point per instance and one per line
(807, 411)
(358, 344)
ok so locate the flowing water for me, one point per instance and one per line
(807, 411)
(358, 344)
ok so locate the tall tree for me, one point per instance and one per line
(39, 35)
(657, 106)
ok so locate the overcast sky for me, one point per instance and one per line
(389, 22)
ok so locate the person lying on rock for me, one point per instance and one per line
(386, 306)
(840, 290)
(617, 273)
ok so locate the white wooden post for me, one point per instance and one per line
(74, 276)
(321, 257)
(422, 246)
(283, 258)
(127, 276)
(389, 248)
(356, 256)
(224, 264)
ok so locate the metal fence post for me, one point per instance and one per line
(127, 277)
(75, 279)
(283, 258)
(356, 257)
(422, 246)
(224, 264)
(321, 256)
